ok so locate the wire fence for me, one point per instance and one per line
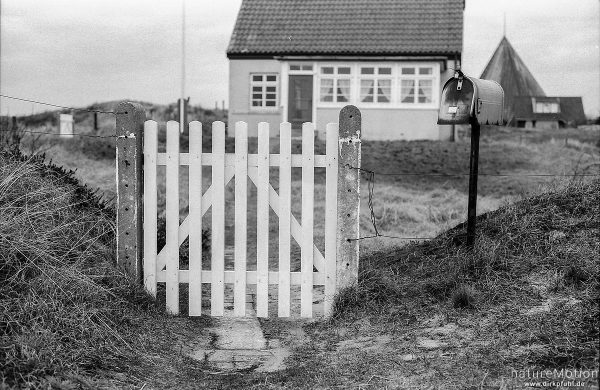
(371, 191)
(113, 136)
(369, 173)
(59, 106)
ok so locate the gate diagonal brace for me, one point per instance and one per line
(296, 229)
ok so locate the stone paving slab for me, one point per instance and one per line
(240, 344)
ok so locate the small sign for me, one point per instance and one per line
(66, 125)
(452, 109)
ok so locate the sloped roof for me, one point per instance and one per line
(571, 109)
(509, 70)
(366, 27)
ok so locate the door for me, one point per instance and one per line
(300, 100)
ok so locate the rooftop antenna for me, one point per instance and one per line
(504, 29)
(182, 101)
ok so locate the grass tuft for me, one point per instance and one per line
(463, 297)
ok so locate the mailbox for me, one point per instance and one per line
(465, 98)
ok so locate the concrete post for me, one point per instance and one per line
(130, 122)
(348, 197)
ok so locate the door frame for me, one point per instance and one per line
(285, 81)
(305, 82)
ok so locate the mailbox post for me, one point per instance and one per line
(467, 100)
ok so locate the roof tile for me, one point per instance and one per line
(384, 27)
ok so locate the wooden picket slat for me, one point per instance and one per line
(262, 222)
(285, 192)
(150, 199)
(331, 181)
(308, 196)
(172, 217)
(217, 292)
(241, 211)
(195, 214)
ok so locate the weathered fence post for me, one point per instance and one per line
(348, 197)
(130, 184)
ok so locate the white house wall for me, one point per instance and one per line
(240, 108)
(389, 123)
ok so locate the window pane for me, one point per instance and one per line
(367, 70)
(407, 91)
(366, 91)
(384, 91)
(294, 67)
(270, 89)
(425, 91)
(271, 96)
(327, 70)
(408, 70)
(344, 70)
(385, 71)
(425, 70)
(272, 78)
(326, 90)
(256, 89)
(257, 96)
(270, 103)
(306, 67)
(256, 103)
(257, 78)
(343, 90)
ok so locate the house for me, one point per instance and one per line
(548, 112)
(525, 102)
(303, 60)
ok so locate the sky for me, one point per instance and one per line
(77, 52)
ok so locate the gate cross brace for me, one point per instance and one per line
(296, 229)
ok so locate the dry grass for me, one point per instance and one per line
(61, 298)
(68, 317)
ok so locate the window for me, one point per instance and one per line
(264, 90)
(546, 108)
(301, 67)
(376, 84)
(335, 84)
(416, 85)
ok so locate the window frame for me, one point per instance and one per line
(552, 107)
(264, 84)
(434, 77)
(335, 76)
(376, 77)
(396, 77)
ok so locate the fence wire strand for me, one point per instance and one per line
(371, 188)
(65, 135)
(59, 106)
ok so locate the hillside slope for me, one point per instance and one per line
(68, 318)
(435, 315)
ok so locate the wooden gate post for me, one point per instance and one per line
(348, 197)
(130, 184)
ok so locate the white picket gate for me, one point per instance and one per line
(163, 266)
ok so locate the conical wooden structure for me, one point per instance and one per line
(509, 70)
